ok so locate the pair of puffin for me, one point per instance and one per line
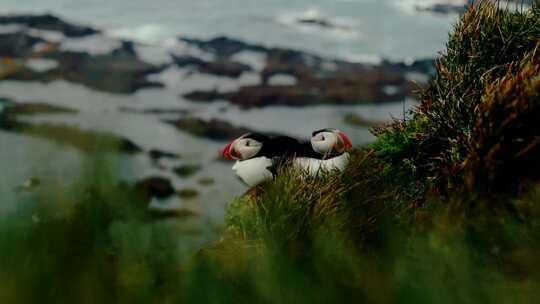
(259, 156)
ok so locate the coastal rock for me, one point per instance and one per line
(187, 170)
(158, 187)
(206, 181)
(223, 46)
(118, 71)
(187, 193)
(321, 22)
(219, 67)
(156, 155)
(18, 44)
(204, 96)
(35, 108)
(111, 73)
(312, 79)
(214, 129)
(50, 23)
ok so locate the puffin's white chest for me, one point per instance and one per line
(253, 171)
(313, 166)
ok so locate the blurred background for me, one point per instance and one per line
(170, 82)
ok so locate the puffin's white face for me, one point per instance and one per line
(330, 141)
(242, 148)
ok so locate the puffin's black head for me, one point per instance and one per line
(245, 147)
(330, 141)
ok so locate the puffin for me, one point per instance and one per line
(258, 156)
(327, 151)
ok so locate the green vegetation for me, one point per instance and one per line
(442, 208)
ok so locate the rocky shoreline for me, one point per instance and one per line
(35, 50)
(315, 80)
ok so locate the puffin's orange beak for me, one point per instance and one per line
(346, 140)
(226, 152)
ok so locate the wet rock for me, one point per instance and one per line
(36, 108)
(158, 187)
(213, 129)
(223, 46)
(119, 71)
(314, 80)
(48, 22)
(17, 44)
(156, 155)
(206, 181)
(157, 111)
(111, 73)
(260, 96)
(321, 22)
(219, 67)
(187, 170)
(202, 96)
(187, 193)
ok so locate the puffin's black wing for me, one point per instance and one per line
(305, 149)
(281, 149)
(280, 146)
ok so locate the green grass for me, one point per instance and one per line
(442, 208)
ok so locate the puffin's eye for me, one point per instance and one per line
(322, 137)
(248, 143)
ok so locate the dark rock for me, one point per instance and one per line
(260, 96)
(111, 73)
(219, 67)
(157, 111)
(49, 22)
(187, 193)
(158, 154)
(36, 108)
(206, 181)
(317, 80)
(204, 95)
(223, 46)
(187, 170)
(158, 187)
(128, 146)
(127, 48)
(323, 23)
(214, 129)
(120, 73)
(17, 44)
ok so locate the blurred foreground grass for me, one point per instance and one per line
(442, 208)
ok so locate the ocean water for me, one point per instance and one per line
(366, 29)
